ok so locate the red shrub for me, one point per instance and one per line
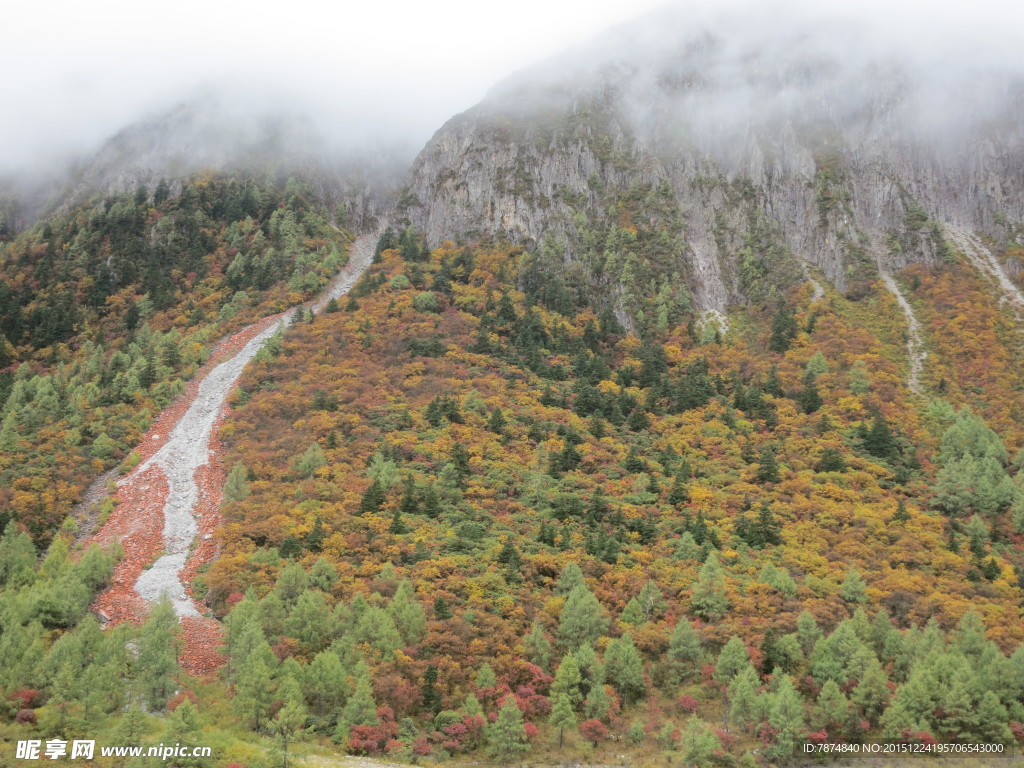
(593, 731)
(687, 704)
(25, 717)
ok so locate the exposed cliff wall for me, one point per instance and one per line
(776, 154)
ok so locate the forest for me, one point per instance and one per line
(471, 515)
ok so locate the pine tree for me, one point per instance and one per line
(562, 716)
(831, 461)
(583, 620)
(288, 722)
(254, 691)
(698, 743)
(786, 716)
(684, 652)
(879, 441)
(538, 647)
(497, 421)
(624, 669)
(326, 684)
(183, 727)
(441, 610)
(853, 589)
(373, 499)
(833, 709)
(807, 631)
(708, 598)
(408, 614)
(872, 692)
(731, 660)
(159, 645)
(567, 680)
(742, 695)
(506, 736)
(570, 578)
(361, 708)
(768, 466)
(598, 703)
(902, 516)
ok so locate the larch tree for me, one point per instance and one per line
(159, 645)
(506, 736)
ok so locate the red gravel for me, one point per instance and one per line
(137, 521)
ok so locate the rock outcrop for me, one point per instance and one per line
(778, 151)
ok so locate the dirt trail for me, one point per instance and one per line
(173, 495)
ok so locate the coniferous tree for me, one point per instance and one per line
(742, 697)
(731, 660)
(624, 669)
(183, 727)
(538, 647)
(159, 645)
(506, 736)
(853, 589)
(684, 652)
(583, 620)
(562, 716)
(768, 466)
(709, 600)
(833, 709)
(567, 680)
(879, 440)
(786, 716)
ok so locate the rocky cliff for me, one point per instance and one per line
(744, 156)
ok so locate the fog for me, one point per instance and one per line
(711, 75)
(389, 74)
(385, 72)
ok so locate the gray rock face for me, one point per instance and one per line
(774, 143)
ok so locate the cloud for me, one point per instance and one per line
(391, 70)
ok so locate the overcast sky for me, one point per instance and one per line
(75, 71)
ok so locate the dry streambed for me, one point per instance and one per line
(171, 498)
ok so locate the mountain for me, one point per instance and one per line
(672, 416)
(770, 149)
(214, 132)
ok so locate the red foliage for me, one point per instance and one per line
(401, 695)
(593, 730)
(522, 673)
(809, 687)
(180, 699)
(687, 704)
(26, 697)
(531, 731)
(918, 737)
(234, 598)
(727, 738)
(817, 737)
(1018, 730)
(422, 746)
(766, 733)
(372, 739)
(285, 648)
(531, 703)
(25, 717)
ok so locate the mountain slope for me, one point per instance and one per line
(774, 149)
